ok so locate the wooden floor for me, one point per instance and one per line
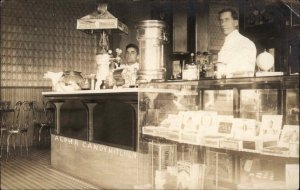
(35, 172)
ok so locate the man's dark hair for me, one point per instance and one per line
(234, 14)
(133, 46)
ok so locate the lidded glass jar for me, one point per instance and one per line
(72, 77)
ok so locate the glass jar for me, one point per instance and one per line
(72, 77)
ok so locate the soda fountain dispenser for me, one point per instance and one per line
(101, 23)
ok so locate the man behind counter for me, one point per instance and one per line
(131, 66)
(237, 52)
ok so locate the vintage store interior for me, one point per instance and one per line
(75, 114)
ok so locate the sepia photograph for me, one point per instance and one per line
(149, 94)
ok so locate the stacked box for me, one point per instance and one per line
(162, 155)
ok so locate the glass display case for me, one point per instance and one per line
(238, 133)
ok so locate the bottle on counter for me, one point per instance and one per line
(103, 84)
(192, 60)
(190, 71)
(205, 65)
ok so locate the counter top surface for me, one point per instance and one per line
(110, 91)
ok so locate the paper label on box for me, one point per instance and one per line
(225, 125)
(163, 154)
(230, 144)
(251, 145)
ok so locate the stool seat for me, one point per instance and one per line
(14, 131)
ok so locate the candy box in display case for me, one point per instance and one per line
(225, 126)
(209, 129)
(150, 130)
(290, 138)
(162, 132)
(244, 129)
(191, 121)
(288, 144)
(273, 149)
(208, 123)
(174, 135)
(174, 132)
(191, 130)
(190, 175)
(166, 179)
(156, 131)
(270, 127)
(191, 137)
(268, 135)
(250, 145)
(244, 133)
(257, 144)
(164, 126)
(162, 154)
(212, 141)
(226, 129)
(232, 144)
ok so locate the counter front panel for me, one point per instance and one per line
(106, 117)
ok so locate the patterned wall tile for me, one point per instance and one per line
(39, 37)
(216, 35)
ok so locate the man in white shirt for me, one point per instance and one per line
(131, 66)
(237, 52)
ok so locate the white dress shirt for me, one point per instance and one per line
(239, 54)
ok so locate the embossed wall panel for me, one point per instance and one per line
(40, 36)
(216, 36)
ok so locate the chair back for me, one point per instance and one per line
(43, 113)
(22, 115)
(5, 114)
(27, 115)
(37, 111)
(49, 112)
(16, 118)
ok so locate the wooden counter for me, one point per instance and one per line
(96, 136)
(105, 116)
